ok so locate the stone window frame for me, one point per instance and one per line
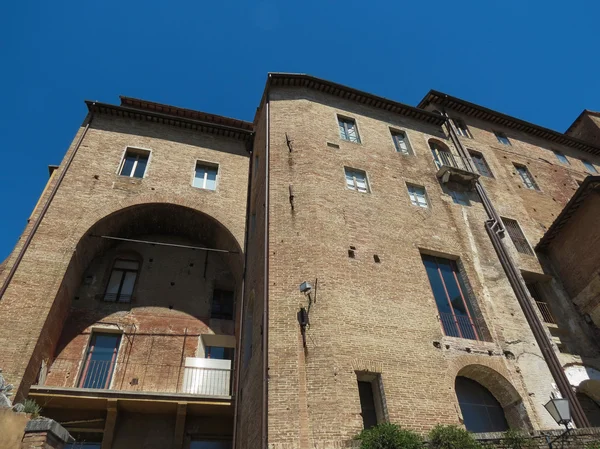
(345, 118)
(376, 381)
(461, 128)
(522, 169)
(474, 154)
(412, 185)
(347, 169)
(409, 147)
(560, 156)
(207, 164)
(502, 138)
(517, 236)
(135, 149)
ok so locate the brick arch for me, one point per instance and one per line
(493, 376)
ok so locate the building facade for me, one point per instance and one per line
(189, 280)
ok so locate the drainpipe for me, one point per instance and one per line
(238, 357)
(495, 229)
(42, 213)
(265, 322)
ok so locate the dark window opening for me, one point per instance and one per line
(480, 409)
(222, 305)
(122, 281)
(450, 293)
(367, 404)
(100, 360)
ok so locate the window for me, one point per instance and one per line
(461, 128)
(589, 167)
(222, 305)
(502, 138)
(481, 164)
(348, 129)
(134, 163)
(122, 281)
(85, 440)
(561, 157)
(526, 177)
(417, 194)
(543, 307)
(480, 409)
(356, 180)
(100, 360)
(370, 392)
(442, 155)
(206, 176)
(460, 197)
(454, 307)
(517, 236)
(401, 142)
(218, 353)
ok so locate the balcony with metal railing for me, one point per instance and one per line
(461, 326)
(198, 377)
(452, 167)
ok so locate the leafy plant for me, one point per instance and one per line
(32, 407)
(593, 445)
(452, 437)
(517, 440)
(389, 436)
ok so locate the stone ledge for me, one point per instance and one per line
(48, 425)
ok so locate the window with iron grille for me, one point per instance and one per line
(222, 304)
(461, 128)
(122, 281)
(502, 138)
(542, 305)
(356, 180)
(450, 293)
(561, 158)
(418, 195)
(526, 177)
(517, 236)
(134, 163)
(348, 129)
(401, 142)
(589, 167)
(481, 164)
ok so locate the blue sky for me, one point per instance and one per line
(536, 60)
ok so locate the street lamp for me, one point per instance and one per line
(560, 410)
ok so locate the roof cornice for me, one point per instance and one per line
(590, 184)
(464, 107)
(209, 125)
(276, 79)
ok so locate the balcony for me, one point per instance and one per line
(452, 167)
(197, 376)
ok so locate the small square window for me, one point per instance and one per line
(460, 197)
(561, 158)
(206, 176)
(461, 128)
(348, 129)
(502, 138)
(417, 194)
(134, 163)
(526, 177)
(356, 180)
(590, 167)
(401, 142)
(481, 164)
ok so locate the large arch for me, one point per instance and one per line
(501, 389)
(154, 221)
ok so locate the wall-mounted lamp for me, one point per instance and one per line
(303, 313)
(560, 410)
(305, 287)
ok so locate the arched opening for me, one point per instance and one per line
(152, 308)
(489, 401)
(441, 153)
(480, 409)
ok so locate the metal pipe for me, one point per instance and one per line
(42, 214)
(495, 229)
(238, 356)
(265, 339)
(176, 245)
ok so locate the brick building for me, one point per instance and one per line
(188, 280)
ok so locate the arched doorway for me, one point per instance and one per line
(480, 409)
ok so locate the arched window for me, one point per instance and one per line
(480, 409)
(441, 154)
(590, 408)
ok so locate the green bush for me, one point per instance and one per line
(517, 440)
(30, 406)
(389, 436)
(451, 437)
(593, 445)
